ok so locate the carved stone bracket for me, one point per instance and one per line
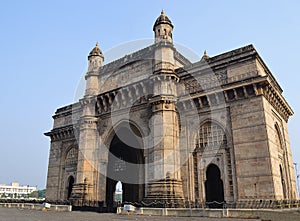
(165, 77)
(277, 102)
(88, 123)
(163, 67)
(161, 103)
(61, 133)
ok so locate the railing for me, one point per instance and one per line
(100, 206)
(272, 204)
(247, 204)
(35, 201)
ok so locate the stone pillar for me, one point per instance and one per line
(164, 180)
(86, 180)
(165, 183)
(85, 188)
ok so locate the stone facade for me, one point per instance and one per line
(173, 131)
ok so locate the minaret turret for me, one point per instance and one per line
(95, 59)
(164, 51)
(163, 28)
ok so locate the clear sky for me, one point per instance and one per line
(44, 47)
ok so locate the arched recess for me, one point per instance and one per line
(70, 167)
(212, 146)
(126, 164)
(214, 189)
(283, 168)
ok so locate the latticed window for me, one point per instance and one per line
(211, 135)
(71, 158)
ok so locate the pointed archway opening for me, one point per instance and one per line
(70, 186)
(214, 190)
(125, 165)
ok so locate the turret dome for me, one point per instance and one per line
(162, 19)
(96, 52)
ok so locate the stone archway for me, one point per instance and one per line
(214, 189)
(125, 164)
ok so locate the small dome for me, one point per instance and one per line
(162, 19)
(96, 51)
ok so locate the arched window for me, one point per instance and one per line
(71, 157)
(211, 135)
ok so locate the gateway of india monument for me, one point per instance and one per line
(173, 131)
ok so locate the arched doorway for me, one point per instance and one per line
(214, 189)
(125, 164)
(70, 186)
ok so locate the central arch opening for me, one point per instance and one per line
(125, 165)
(214, 189)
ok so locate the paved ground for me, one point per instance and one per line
(33, 215)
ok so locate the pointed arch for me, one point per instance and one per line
(278, 137)
(213, 142)
(121, 124)
(283, 172)
(71, 157)
(125, 164)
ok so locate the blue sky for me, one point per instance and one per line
(44, 47)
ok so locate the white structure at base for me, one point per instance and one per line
(14, 190)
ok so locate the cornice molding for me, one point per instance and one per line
(61, 133)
